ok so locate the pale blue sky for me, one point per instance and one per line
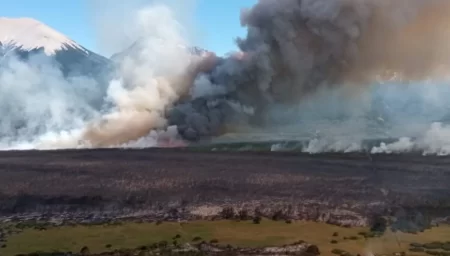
(217, 20)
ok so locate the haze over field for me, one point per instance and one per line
(331, 72)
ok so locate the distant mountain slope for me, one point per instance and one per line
(139, 46)
(24, 37)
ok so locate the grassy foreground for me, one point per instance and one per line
(244, 234)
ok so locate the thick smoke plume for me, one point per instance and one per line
(40, 108)
(319, 69)
(296, 50)
(52, 110)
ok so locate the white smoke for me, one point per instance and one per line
(298, 66)
(435, 141)
(36, 101)
(55, 110)
(153, 77)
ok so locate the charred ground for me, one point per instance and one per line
(184, 184)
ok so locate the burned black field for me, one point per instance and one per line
(184, 184)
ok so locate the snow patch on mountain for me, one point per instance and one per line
(29, 34)
(141, 45)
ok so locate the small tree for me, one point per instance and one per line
(196, 239)
(313, 249)
(227, 213)
(243, 214)
(379, 224)
(85, 251)
(278, 215)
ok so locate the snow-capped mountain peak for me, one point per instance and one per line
(28, 34)
(139, 45)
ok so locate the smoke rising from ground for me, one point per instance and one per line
(55, 110)
(39, 105)
(335, 72)
(296, 51)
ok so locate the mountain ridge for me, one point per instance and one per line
(26, 37)
(29, 34)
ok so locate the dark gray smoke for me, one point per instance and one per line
(295, 48)
(300, 60)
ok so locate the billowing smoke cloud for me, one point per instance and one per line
(45, 109)
(335, 72)
(151, 79)
(39, 106)
(299, 54)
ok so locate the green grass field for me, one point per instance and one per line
(244, 234)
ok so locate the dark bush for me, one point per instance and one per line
(313, 249)
(353, 238)
(299, 242)
(3, 246)
(373, 234)
(433, 245)
(85, 251)
(158, 223)
(243, 214)
(335, 234)
(337, 251)
(162, 244)
(143, 253)
(108, 246)
(196, 239)
(288, 221)
(214, 241)
(257, 220)
(278, 215)
(379, 225)
(415, 245)
(416, 249)
(333, 241)
(178, 236)
(446, 246)
(364, 234)
(227, 213)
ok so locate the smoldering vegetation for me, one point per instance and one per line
(180, 183)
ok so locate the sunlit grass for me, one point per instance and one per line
(243, 234)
